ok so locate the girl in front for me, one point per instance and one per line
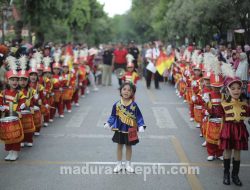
(234, 134)
(125, 120)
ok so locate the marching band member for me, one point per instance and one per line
(67, 83)
(13, 102)
(57, 89)
(27, 116)
(78, 79)
(47, 83)
(39, 95)
(234, 134)
(130, 75)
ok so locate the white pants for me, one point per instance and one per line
(91, 78)
(106, 74)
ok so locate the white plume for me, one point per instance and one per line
(46, 61)
(129, 58)
(57, 57)
(38, 56)
(23, 62)
(12, 62)
(227, 70)
(33, 63)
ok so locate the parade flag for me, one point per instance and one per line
(164, 62)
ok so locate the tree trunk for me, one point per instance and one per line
(18, 29)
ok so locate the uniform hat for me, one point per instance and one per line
(76, 57)
(12, 67)
(33, 66)
(46, 62)
(57, 60)
(229, 74)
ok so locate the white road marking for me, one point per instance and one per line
(101, 136)
(163, 118)
(185, 116)
(166, 103)
(78, 117)
(104, 117)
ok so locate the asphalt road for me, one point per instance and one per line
(77, 153)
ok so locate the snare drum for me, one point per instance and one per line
(67, 93)
(37, 117)
(27, 122)
(198, 113)
(213, 130)
(11, 130)
(57, 96)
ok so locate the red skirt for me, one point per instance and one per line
(234, 136)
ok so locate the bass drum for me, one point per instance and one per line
(11, 130)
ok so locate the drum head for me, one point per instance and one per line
(9, 119)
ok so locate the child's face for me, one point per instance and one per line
(206, 82)
(23, 82)
(197, 72)
(130, 69)
(235, 90)
(126, 92)
(75, 66)
(13, 82)
(33, 77)
(65, 69)
(47, 74)
(56, 71)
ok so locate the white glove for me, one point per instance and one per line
(36, 96)
(47, 106)
(106, 126)
(206, 113)
(194, 83)
(193, 98)
(60, 78)
(141, 129)
(80, 84)
(206, 98)
(22, 106)
(44, 93)
(2, 108)
(184, 79)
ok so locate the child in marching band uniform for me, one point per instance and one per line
(28, 92)
(234, 134)
(196, 95)
(126, 119)
(57, 89)
(38, 89)
(48, 86)
(78, 78)
(130, 75)
(67, 83)
(13, 102)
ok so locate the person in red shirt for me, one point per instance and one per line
(119, 59)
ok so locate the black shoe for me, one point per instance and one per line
(235, 173)
(236, 180)
(226, 177)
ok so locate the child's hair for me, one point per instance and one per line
(132, 87)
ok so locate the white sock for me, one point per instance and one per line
(119, 162)
(128, 162)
